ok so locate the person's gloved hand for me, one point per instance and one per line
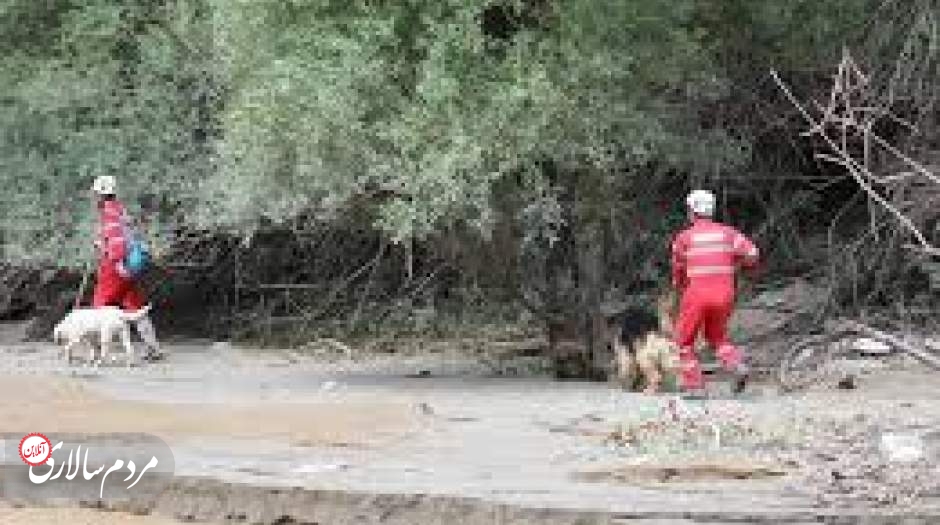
(121, 270)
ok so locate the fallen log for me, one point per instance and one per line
(922, 355)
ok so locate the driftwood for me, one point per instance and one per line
(922, 355)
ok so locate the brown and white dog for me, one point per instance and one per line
(643, 346)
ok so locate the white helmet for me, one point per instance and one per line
(701, 202)
(104, 185)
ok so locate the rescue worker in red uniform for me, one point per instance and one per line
(705, 257)
(114, 285)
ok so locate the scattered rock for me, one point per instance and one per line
(847, 383)
(902, 448)
(871, 347)
(424, 409)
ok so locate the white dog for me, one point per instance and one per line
(104, 322)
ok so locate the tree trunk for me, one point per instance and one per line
(591, 269)
(590, 261)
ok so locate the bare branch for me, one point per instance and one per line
(858, 119)
(854, 169)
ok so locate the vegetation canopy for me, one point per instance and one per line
(536, 149)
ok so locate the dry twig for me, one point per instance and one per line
(854, 119)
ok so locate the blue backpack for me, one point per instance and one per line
(137, 259)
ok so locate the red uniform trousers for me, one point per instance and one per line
(113, 290)
(706, 305)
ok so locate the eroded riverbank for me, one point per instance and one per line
(269, 421)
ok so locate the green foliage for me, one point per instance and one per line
(234, 111)
(755, 35)
(109, 91)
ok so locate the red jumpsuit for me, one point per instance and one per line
(111, 288)
(704, 258)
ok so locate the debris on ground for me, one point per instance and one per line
(847, 383)
(839, 460)
(871, 347)
(682, 473)
(862, 466)
(902, 447)
(327, 347)
(684, 426)
(898, 343)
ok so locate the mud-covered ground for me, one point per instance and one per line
(280, 437)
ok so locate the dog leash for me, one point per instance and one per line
(81, 288)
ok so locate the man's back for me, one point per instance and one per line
(708, 252)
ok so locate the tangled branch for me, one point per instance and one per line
(851, 112)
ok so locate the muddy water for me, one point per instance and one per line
(513, 441)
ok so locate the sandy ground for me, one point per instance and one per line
(279, 420)
(67, 405)
(72, 516)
